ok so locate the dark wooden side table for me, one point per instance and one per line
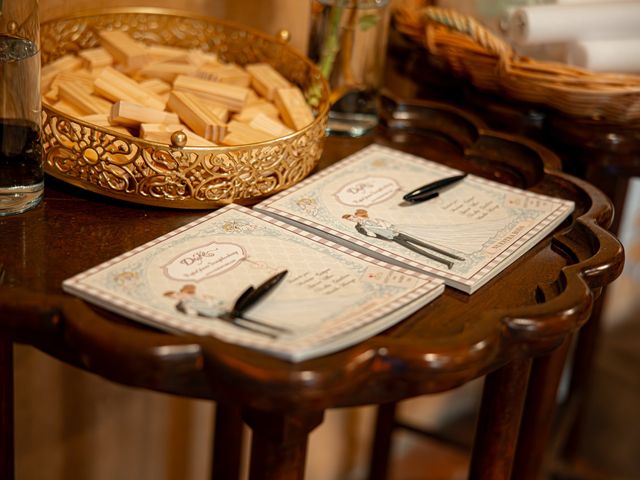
(451, 341)
(605, 154)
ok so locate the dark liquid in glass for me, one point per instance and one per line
(21, 176)
(20, 153)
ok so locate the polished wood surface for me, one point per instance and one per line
(6, 408)
(540, 408)
(605, 154)
(499, 422)
(454, 339)
(381, 448)
(227, 442)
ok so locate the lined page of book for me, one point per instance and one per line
(185, 281)
(466, 236)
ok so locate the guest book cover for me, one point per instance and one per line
(331, 298)
(468, 234)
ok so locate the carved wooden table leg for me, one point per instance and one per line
(279, 443)
(499, 421)
(615, 184)
(381, 451)
(580, 384)
(227, 443)
(537, 419)
(6, 409)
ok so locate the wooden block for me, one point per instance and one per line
(98, 119)
(155, 85)
(125, 50)
(293, 108)
(266, 79)
(46, 101)
(159, 132)
(167, 71)
(220, 111)
(130, 114)
(81, 74)
(116, 86)
(102, 120)
(159, 87)
(82, 79)
(231, 96)
(96, 57)
(67, 108)
(51, 96)
(242, 134)
(66, 63)
(196, 115)
(269, 125)
(95, 73)
(83, 101)
(166, 53)
(231, 74)
(248, 113)
(199, 58)
(254, 98)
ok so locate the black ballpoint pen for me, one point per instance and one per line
(431, 190)
(245, 301)
(252, 295)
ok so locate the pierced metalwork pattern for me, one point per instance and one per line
(150, 173)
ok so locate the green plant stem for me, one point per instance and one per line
(332, 43)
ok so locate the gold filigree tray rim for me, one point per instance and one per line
(319, 121)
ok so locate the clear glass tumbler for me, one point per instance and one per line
(348, 41)
(21, 162)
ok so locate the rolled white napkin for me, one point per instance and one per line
(565, 23)
(582, 2)
(620, 56)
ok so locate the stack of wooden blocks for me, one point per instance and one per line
(153, 91)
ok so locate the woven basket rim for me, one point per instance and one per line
(471, 50)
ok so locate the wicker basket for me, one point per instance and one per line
(490, 64)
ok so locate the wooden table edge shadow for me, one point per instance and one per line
(541, 373)
(283, 402)
(604, 153)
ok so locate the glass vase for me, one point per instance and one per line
(348, 41)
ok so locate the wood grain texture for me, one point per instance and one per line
(227, 442)
(447, 343)
(499, 422)
(6, 409)
(457, 337)
(279, 443)
(606, 154)
(540, 406)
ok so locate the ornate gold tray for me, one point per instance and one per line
(151, 173)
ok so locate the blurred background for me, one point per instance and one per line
(73, 425)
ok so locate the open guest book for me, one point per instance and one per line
(466, 235)
(331, 297)
(358, 258)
